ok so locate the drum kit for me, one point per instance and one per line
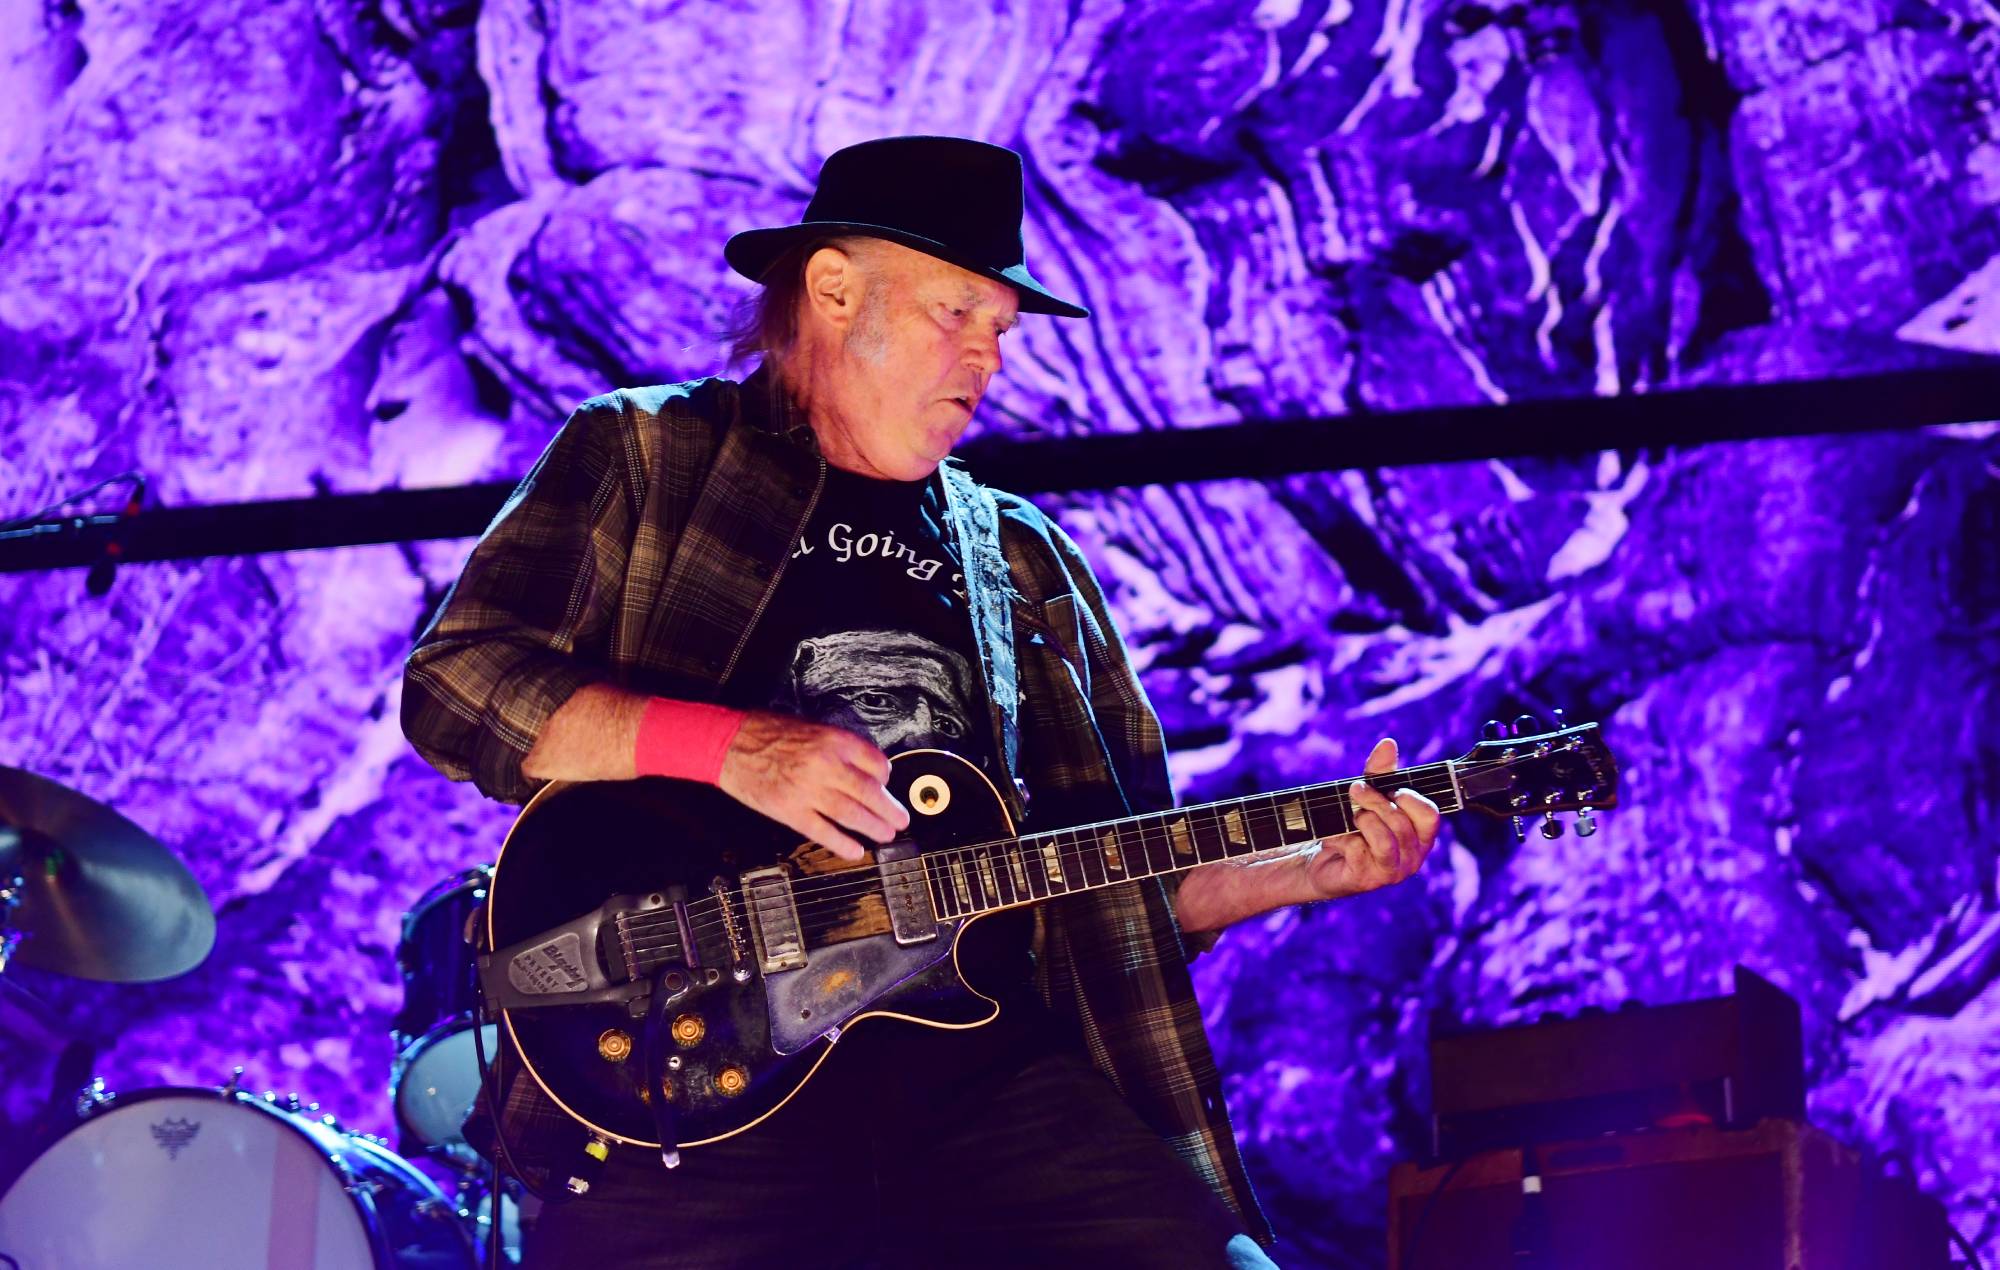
(201, 1178)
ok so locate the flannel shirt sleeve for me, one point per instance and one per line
(1125, 718)
(525, 625)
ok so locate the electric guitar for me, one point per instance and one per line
(671, 979)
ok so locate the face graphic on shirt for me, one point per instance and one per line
(900, 690)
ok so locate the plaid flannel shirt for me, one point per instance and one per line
(640, 551)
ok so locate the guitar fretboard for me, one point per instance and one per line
(965, 881)
(982, 877)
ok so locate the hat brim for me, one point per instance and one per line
(753, 252)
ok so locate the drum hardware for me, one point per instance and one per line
(90, 894)
(91, 1098)
(434, 1080)
(10, 899)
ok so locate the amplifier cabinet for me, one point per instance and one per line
(1778, 1195)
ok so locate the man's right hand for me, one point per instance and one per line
(813, 779)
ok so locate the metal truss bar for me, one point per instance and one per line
(1042, 465)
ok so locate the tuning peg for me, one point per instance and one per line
(1585, 826)
(1492, 730)
(1525, 724)
(1552, 828)
(1520, 829)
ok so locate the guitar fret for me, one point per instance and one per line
(1089, 860)
(985, 862)
(1267, 826)
(1332, 815)
(1209, 842)
(1154, 846)
(958, 882)
(941, 893)
(1031, 864)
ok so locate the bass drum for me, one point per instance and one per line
(207, 1179)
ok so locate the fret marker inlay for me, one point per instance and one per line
(1109, 841)
(1020, 870)
(1295, 816)
(1177, 830)
(1232, 822)
(1052, 862)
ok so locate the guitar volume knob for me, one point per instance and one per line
(732, 1080)
(688, 1030)
(614, 1046)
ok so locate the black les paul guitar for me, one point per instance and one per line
(671, 975)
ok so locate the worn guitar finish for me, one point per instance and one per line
(672, 968)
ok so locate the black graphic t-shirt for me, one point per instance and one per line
(869, 630)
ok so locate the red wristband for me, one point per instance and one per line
(685, 739)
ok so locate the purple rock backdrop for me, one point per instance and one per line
(263, 249)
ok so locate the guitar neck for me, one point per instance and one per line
(984, 877)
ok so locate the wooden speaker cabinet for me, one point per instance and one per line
(1778, 1195)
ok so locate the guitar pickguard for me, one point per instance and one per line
(841, 981)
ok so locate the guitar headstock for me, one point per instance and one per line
(1516, 772)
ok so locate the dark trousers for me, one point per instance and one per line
(1048, 1168)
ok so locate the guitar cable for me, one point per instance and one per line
(491, 1081)
(1409, 1259)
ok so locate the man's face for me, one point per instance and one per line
(914, 360)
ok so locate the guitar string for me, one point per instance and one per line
(1203, 815)
(822, 891)
(840, 889)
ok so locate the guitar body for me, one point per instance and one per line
(672, 967)
(736, 1046)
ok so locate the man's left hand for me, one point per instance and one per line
(1392, 836)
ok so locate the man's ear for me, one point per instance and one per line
(833, 286)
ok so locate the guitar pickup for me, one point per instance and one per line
(907, 892)
(773, 915)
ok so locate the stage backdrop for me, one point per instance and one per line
(268, 249)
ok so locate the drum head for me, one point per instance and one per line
(184, 1180)
(435, 1084)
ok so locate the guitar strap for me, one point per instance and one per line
(990, 595)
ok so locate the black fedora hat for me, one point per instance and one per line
(949, 197)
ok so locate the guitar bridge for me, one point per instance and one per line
(773, 916)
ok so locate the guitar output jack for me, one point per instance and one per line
(929, 795)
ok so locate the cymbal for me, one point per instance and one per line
(102, 899)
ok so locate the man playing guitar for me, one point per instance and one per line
(771, 587)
